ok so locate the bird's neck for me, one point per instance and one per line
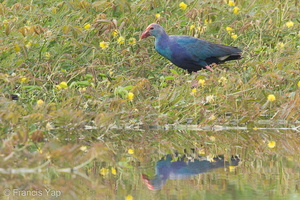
(162, 39)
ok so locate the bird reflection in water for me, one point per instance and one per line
(184, 168)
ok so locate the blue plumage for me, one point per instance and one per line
(188, 52)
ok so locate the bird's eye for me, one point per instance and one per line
(151, 28)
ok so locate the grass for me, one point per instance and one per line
(51, 57)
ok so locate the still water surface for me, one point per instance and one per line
(168, 165)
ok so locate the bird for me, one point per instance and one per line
(190, 53)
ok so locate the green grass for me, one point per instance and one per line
(46, 43)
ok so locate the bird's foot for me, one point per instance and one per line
(209, 68)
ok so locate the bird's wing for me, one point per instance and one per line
(201, 49)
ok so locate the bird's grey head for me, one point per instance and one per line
(153, 30)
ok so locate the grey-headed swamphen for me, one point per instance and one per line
(188, 52)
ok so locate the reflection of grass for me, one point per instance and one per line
(80, 63)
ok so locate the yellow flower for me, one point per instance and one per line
(17, 47)
(104, 171)
(194, 90)
(129, 197)
(289, 24)
(5, 22)
(207, 21)
(47, 54)
(222, 80)
(231, 3)
(182, 6)
(83, 148)
(28, 45)
(40, 103)
(54, 10)
(132, 40)
(23, 80)
(115, 32)
(192, 27)
(255, 128)
(62, 85)
(210, 98)
(271, 97)
(131, 151)
(121, 40)
(39, 150)
(104, 45)
(212, 117)
(157, 16)
(201, 82)
(87, 26)
(113, 171)
(82, 89)
(212, 138)
(48, 156)
(201, 152)
(229, 29)
(271, 144)
(236, 10)
(298, 83)
(234, 36)
(280, 45)
(130, 96)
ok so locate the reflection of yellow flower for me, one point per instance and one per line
(232, 168)
(182, 6)
(289, 24)
(104, 45)
(129, 197)
(130, 96)
(121, 40)
(231, 3)
(87, 26)
(271, 97)
(236, 10)
(131, 151)
(271, 144)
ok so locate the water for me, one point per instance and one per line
(174, 164)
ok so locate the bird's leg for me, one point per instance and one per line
(209, 68)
